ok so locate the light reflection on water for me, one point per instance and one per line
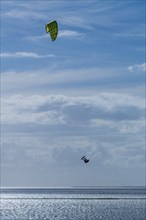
(68, 206)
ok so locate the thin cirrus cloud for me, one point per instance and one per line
(24, 55)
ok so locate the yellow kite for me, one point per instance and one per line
(52, 27)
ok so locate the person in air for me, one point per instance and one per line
(85, 159)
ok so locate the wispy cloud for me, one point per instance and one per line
(24, 55)
(69, 33)
(129, 35)
(75, 81)
(23, 14)
(137, 68)
(61, 34)
(36, 38)
(63, 78)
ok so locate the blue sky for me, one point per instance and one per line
(83, 94)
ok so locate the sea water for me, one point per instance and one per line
(91, 203)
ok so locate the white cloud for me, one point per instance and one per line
(126, 155)
(115, 113)
(61, 34)
(55, 130)
(69, 33)
(123, 127)
(24, 55)
(137, 68)
(32, 79)
(129, 35)
(36, 38)
(24, 14)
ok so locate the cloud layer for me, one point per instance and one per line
(100, 111)
(51, 133)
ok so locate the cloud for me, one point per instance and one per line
(76, 20)
(61, 34)
(23, 14)
(36, 38)
(69, 33)
(41, 131)
(137, 68)
(108, 112)
(128, 35)
(55, 130)
(24, 55)
(125, 155)
(60, 78)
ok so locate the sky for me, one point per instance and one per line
(83, 94)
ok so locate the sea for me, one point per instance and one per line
(73, 203)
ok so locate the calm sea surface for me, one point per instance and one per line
(127, 203)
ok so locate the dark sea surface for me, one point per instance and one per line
(91, 203)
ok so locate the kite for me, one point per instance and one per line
(52, 27)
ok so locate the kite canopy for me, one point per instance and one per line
(52, 27)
